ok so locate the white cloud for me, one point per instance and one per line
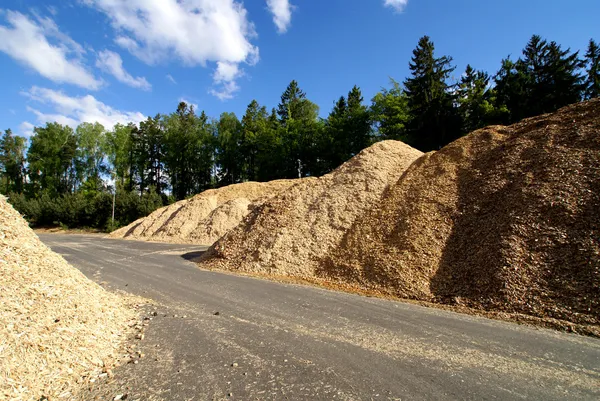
(28, 42)
(227, 91)
(71, 110)
(170, 78)
(26, 129)
(282, 13)
(112, 63)
(196, 32)
(397, 5)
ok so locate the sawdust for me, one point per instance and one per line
(204, 218)
(290, 233)
(57, 327)
(506, 219)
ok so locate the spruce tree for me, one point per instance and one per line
(290, 102)
(474, 99)
(592, 83)
(434, 120)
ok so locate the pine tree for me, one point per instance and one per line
(434, 120)
(592, 83)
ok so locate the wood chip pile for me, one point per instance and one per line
(290, 233)
(204, 218)
(56, 326)
(506, 219)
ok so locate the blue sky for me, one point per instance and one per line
(115, 61)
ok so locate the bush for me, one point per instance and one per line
(85, 209)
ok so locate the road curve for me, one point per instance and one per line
(277, 341)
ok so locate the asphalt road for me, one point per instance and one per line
(276, 341)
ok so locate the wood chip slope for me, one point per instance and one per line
(290, 233)
(505, 219)
(204, 218)
(56, 326)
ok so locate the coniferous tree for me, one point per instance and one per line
(434, 120)
(229, 149)
(254, 127)
(545, 79)
(592, 83)
(475, 100)
(290, 104)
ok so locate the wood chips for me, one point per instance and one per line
(204, 218)
(57, 327)
(289, 234)
(506, 219)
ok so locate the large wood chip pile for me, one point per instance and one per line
(204, 218)
(56, 326)
(506, 219)
(289, 234)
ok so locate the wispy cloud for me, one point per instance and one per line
(170, 78)
(397, 5)
(282, 14)
(73, 110)
(41, 46)
(26, 129)
(112, 63)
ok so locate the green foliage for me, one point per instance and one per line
(390, 113)
(434, 119)
(68, 177)
(592, 60)
(51, 158)
(543, 80)
(346, 132)
(12, 162)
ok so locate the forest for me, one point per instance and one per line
(69, 176)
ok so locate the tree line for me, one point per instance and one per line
(69, 176)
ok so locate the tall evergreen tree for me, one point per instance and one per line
(254, 127)
(592, 82)
(434, 120)
(474, 99)
(291, 103)
(543, 80)
(229, 149)
(347, 131)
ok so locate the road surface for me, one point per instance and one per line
(276, 341)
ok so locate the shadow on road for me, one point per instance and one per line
(193, 256)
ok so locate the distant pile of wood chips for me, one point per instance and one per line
(505, 220)
(204, 218)
(57, 328)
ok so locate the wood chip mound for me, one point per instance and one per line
(505, 219)
(56, 326)
(204, 218)
(290, 233)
